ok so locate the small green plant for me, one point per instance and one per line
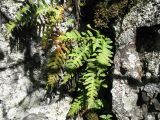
(106, 117)
(90, 57)
(38, 14)
(80, 56)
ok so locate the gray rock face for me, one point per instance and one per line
(9, 7)
(21, 92)
(136, 90)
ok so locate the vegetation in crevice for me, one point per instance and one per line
(93, 55)
(74, 56)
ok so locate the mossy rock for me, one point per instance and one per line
(106, 12)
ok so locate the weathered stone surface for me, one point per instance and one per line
(19, 95)
(22, 96)
(136, 75)
(9, 7)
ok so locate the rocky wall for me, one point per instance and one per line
(136, 83)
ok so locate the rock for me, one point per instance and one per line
(35, 117)
(54, 111)
(19, 95)
(22, 95)
(9, 7)
(150, 117)
(145, 97)
(159, 116)
(156, 104)
(1, 55)
(136, 73)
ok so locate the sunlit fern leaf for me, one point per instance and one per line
(106, 117)
(32, 12)
(78, 56)
(67, 77)
(104, 54)
(73, 35)
(89, 33)
(21, 18)
(52, 79)
(98, 104)
(76, 106)
(11, 26)
(96, 44)
(96, 31)
(41, 10)
(101, 71)
(92, 85)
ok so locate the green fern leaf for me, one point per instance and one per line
(11, 26)
(73, 35)
(52, 79)
(67, 77)
(92, 85)
(78, 56)
(76, 106)
(40, 10)
(105, 54)
(89, 33)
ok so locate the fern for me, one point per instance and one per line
(33, 13)
(104, 53)
(58, 58)
(45, 17)
(52, 79)
(106, 117)
(77, 57)
(91, 85)
(93, 53)
(86, 53)
(76, 106)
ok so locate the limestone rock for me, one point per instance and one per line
(136, 81)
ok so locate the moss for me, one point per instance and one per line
(106, 12)
(69, 3)
(91, 116)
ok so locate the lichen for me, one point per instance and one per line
(106, 12)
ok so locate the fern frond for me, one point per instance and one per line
(92, 85)
(56, 63)
(73, 36)
(21, 18)
(96, 52)
(78, 56)
(67, 77)
(104, 54)
(76, 106)
(33, 12)
(52, 79)
(58, 58)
